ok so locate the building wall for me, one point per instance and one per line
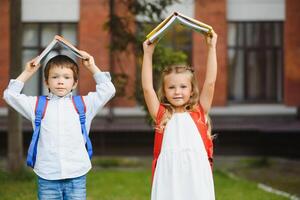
(255, 10)
(93, 15)
(66, 10)
(214, 14)
(4, 47)
(292, 53)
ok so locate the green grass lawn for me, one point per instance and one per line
(127, 184)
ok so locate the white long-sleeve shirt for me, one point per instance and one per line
(61, 151)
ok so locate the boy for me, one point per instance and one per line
(62, 160)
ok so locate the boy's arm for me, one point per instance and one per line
(89, 63)
(147, 80)
(12, 94)
(105, 89)
(207, 93)
(30, 69)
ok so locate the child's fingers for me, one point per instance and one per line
(33, 62)
(86, 56)
(147, 43)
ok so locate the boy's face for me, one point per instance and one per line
(61, 81)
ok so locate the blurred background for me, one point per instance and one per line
(256, 109)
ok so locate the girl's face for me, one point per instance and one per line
(61, 81)
(178, 90)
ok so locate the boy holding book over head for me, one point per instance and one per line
(60, 150)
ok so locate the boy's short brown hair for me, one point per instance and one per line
(62, 61)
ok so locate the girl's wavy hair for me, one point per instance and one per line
(193, 101)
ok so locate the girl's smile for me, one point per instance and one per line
(178, 89)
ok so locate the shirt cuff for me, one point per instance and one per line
(102, 77)
(15, 85)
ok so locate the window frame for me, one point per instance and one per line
(245, 49)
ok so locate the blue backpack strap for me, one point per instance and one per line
(40, 109)
(80, 108)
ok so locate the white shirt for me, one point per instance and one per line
(61, 151)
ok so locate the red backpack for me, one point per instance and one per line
(199, 119)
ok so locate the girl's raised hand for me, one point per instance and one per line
(148, 47)
(212, 41)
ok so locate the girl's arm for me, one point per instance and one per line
(147, 80)
(207, 93)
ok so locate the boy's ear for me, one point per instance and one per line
(46, 83)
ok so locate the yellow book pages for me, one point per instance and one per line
(176, 17)
(158, 27)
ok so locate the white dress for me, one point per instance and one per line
(183, 171)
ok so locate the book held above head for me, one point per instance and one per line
(58, 40)
(158, 32)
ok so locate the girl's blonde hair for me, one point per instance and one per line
(193, 101)
(209, 128)
(191, 104)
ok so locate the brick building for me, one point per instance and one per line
(258, 49)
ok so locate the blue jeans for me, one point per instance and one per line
(65, 189)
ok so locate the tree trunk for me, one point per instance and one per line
(110, 116)
(15, 139)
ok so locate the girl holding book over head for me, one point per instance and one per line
(182, 165)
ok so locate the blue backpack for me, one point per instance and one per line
(40, 109)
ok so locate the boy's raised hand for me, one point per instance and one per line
(30, 69)
(89, 62)
(31, 66)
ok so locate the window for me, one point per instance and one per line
(255, 61)
(36, 36)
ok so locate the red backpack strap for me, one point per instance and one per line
(200, 120)
(158, 137)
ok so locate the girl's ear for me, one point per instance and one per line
(192, 93)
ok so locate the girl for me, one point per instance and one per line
(182, 149)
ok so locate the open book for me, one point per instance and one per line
(175, 18)
(58, 40)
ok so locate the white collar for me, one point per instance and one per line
(53, 96)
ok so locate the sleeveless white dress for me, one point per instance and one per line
(183, 171)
